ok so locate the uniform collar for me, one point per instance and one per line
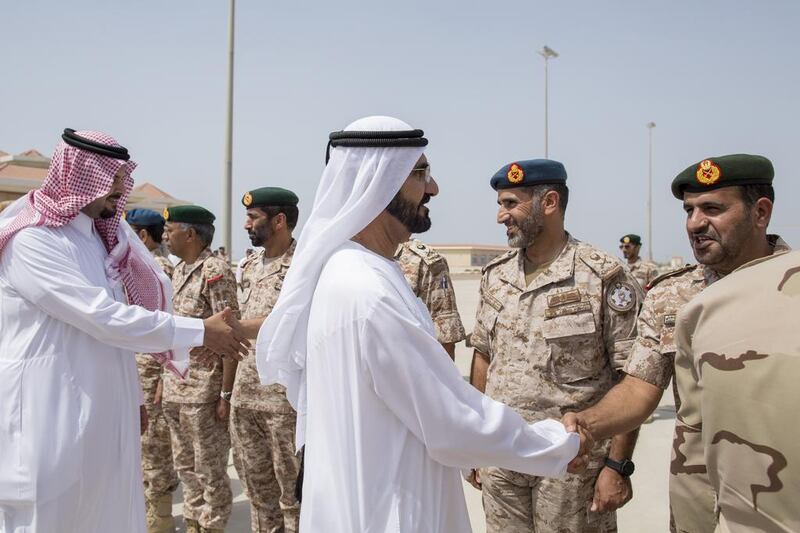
(562, 268)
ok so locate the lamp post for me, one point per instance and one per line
(546, 52)
(650, 126)
(228, 179)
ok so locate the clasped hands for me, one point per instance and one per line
(224, 336)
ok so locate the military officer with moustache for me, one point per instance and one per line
(160, 479)
(262, 421)
(728, 202)
(643, 271)
(554, 327)
(197, 408)
(736, 369)
(429, 276)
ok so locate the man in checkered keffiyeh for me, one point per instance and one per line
(79, 294)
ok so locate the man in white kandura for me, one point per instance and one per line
(386, 419)
(79, 294)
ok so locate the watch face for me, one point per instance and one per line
(627, 467)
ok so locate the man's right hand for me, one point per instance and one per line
(474, 478)
(574, 424)
(224, 335)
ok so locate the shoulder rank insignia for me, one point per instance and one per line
(708, 172)
(670, 274)
(621, 296)
(515, 173)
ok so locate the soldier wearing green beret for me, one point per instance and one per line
(262, 420)
(643, 271)
(728, 202)
(197, 408)
(554, 326)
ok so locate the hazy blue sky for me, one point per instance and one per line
(716, 77)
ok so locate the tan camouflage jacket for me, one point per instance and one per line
(556, 345)
(653, 353)
(200, 290)
(261, 285)
(737, 366)
(643, 271)
(429, 276)
(150, 369)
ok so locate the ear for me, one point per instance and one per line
(762, 211)
(550, 203)
(279, 221)
(142, 233)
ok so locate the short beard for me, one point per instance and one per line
(529, 229)
(407, 213)
(107, 213)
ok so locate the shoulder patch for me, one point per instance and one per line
(621, 296)
(502, 258)
(670, 274)
(601, 263)
(428, 254)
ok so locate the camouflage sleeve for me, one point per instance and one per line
(220, 287)
(166, 265)
(653, 351)
(692, 498)
(622, 299)
(485, 318)
(436, 290)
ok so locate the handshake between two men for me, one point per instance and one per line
(224, 336)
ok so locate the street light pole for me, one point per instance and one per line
(546, 52)
(650, 126)
(228, 179)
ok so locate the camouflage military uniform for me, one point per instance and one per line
(427, 273)
(262, 421)
(200, 442)
(643, 271)
(652, 358)
(158, 473)
(554, 346)
(736, 367)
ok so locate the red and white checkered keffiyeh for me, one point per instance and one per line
(75, 179)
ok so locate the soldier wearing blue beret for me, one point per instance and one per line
(554, 326)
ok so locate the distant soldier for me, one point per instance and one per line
(643, 271)
(262, 421)
(160, 480)
(728, 202)
(197, 408)
(429, 276)
(737, 367)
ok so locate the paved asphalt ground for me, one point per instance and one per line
(648, 512)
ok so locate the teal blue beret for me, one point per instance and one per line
(527, 173)
(143, 217)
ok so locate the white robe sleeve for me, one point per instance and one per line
(50, 279)
(459, 426)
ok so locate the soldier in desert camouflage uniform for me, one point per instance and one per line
(197, 408)
(737, 343)
(160, 480)
(728, 201)
(262, 421)
(429, 276)
(643, 271)
(555, 322)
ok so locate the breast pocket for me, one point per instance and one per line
(572, 344)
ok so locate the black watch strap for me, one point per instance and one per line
(624, 468)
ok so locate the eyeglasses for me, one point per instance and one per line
(422, 173)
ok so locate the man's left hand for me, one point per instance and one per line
(142, 420)
(611, 491)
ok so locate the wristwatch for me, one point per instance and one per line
(625, 467)
(226, 395)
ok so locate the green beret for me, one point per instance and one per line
(631, 238)
(723, 171)
(269, 196)
(527, 173)
(190, 214)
